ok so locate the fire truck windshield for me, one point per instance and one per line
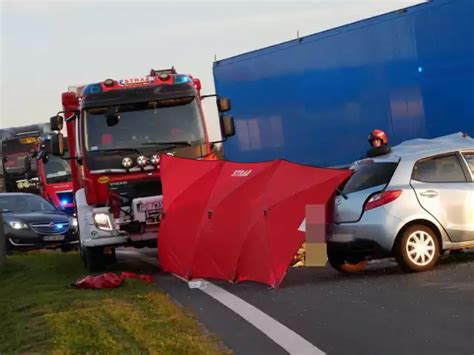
(139, 124)
(14, 152)
(57, 170)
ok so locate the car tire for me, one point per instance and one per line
(340, 262)
(95, 259)
(418, 249)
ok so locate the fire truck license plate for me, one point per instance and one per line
(150, 206)
(147, 209)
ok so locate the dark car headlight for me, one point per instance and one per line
(18, 225)
(73, 222)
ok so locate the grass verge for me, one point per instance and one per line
(41, 313)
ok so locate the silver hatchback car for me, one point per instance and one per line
(413, 204)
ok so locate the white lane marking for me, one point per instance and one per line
(279, 333)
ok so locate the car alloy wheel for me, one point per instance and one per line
(420, 248)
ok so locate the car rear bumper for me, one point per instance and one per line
(359, 249)
(374, 233)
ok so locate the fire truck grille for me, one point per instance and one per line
(130, 190)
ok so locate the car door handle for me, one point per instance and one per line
(429, 193)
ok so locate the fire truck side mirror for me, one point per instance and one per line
(223, 104)
(56, 123)
(43, 156)
(227, 126)
(57, 145)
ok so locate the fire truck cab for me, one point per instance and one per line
(55, 178)
(116, 131)
(17, 148)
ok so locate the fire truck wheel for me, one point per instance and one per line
(109, 255)
(95, 259)
(82, 253)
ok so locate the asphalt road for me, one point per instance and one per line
(381, 311)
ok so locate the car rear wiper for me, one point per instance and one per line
(174, 144)
(341, 193)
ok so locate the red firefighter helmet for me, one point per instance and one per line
(378, 134)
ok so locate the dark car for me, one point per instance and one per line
(30, 222)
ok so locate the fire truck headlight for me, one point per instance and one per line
(142, 160)
(155, 159)
(127, 162)
(102, 221)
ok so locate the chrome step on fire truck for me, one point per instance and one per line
(116, 131)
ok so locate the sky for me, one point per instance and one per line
(48, 46)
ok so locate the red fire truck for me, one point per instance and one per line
(117, 130)
(55, 178)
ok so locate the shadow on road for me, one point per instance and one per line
(387, 268)
(377, 269)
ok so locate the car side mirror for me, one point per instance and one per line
(57, 144)
(227, 126)
(223, 104)
(56, 123)
(112, 119)
(45, 158)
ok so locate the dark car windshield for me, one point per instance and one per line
(24, 203)
(369, 175)
(57, 170)
(140, 124)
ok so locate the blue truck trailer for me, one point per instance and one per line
(314, 100)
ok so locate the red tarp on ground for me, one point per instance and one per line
(108, 280)
(237, 221)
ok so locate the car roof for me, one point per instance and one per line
(3, 194)
(420, 148)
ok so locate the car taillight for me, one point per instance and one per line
(381, 198)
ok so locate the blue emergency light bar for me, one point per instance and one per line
(181, 79)
(97, 88)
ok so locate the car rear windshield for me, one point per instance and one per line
(470, 160)
(369, 175)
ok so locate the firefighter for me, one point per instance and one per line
(377, 138)
(379, 142)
